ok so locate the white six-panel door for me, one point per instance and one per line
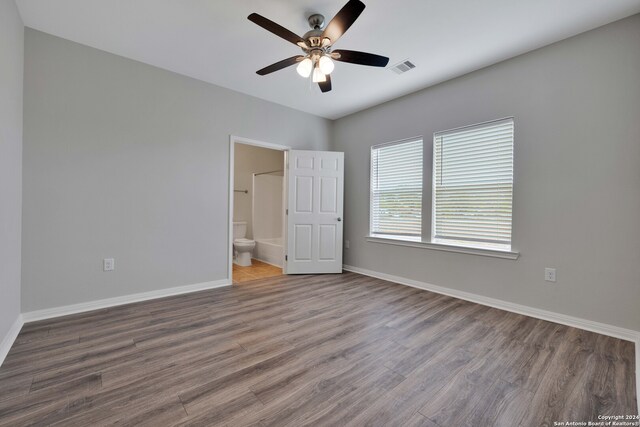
(315, 185)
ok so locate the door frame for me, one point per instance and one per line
(233, 139)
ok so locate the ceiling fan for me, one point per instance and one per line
(317, 44)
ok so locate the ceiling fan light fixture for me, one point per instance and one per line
(318, 76)
(326, 64)
(304, 67)
(316, 62)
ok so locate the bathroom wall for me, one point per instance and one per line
(268, 209)
(250, 159)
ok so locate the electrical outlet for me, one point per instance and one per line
(550, 274)
(108, 264)
(346, 244)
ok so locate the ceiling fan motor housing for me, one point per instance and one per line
(314, 37)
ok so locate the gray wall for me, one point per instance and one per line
(128, 161)
(577, 176)
(11, 64)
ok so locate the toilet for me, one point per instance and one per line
(242, 247)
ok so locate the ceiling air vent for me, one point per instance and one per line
(403, 67)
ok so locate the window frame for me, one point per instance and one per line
(392, 237)
(470, 244)
(426, 242)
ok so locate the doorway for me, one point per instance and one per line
(256, 209)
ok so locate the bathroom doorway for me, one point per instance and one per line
(257, 210)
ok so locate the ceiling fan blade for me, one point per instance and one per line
(361, 58)
(343, 20)
(276, 29)
(280, 65)
(326, 85)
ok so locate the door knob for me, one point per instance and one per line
(339, 219)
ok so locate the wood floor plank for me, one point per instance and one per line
(222, 410)
(79, 365)
(504, 405)
(154, 364)
(457, 399)
(419, 420)
(300, 405)
(338, 349)
(356, 401)
(405, 400)
(161, 414)
(559, 394)
(335, 358)
(16, 386)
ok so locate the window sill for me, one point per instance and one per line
(444, 247)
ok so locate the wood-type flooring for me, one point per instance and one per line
(326, 350)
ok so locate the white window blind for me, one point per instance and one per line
(396, 189)
(473, 185)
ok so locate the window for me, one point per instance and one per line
(396, 190)
(473, 186)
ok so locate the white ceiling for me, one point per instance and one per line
(212, 40)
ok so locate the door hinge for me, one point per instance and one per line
(286, 211)
(286, 257)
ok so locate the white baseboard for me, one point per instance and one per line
(49, 313)
(11, 336)
(267, 262)
(589, 325)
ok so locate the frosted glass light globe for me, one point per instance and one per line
(304, 67)
(318, 76)
(326, 65)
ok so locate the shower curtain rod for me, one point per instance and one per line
(265, 173)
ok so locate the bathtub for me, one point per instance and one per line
(269, 250)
